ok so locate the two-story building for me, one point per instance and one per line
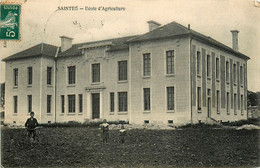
(171, 74)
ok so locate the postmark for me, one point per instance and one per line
(10, 21)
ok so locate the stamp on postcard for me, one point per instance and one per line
(10, 21)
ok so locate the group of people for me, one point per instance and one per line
(31, 124)
(105, 131)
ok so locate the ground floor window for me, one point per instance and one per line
(15, 104)
(242, 101)
(147, 102)
(62, 104)
(227, 102)
(170, 98)
(80, 103)
(235, 104)
(71, 103)
(48, 103)
(218, 105)
(199, 98)
(29, 97)
(122, 101)
(112, 102)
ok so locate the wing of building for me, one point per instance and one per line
(172, 74)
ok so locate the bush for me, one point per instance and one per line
(79, 124)
(200, 126)
(254, 121)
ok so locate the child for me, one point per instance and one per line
(105, 130)
(31, 124)
(122, 133)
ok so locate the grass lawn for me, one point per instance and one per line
(82, 147)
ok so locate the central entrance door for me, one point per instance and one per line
(95, 105)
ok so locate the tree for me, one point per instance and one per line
(253, 98)
(2, 103)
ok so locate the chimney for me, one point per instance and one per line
(66, 43)
(235, 39)
(153, 25)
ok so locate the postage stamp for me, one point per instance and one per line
(10, 21)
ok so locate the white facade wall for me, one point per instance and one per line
(159, 81)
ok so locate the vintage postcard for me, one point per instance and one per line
(129, 83)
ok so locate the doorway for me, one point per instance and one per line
(95, 105)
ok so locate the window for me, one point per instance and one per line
(122, 101)
(15, 104)
(227, 71)
(71, 102)
(30, 75)
(71, 74)
(16, 77)
(80, 103)
(218, 106)
(95, 73)
(170, 98)
(112, 102)
(241, 75)
(48, 103)
(147, 104)
(242, 101)
(199, 98)
(235, 104)
(208, 65)
(147, 64)
(170, 62)
(217, 68)
(198, 63)
(235, 73)
(62, 104)
(228, 103)
(29, 99)
(122, 70)
(49, 72)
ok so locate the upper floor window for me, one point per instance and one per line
(217, 68)
(72, 74)
(147, 64)
(170, 62)
(227, 71)
(49, 72)
(235, 73)
(241, 75)
(122, 70)
(198, 63)
(95, 73)
(15, 71)
(208, 66)
(30, 75)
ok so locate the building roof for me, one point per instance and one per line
(118, 44)
(175, 29)
(167, 31)
(41, 49)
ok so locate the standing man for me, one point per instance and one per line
(31, 124)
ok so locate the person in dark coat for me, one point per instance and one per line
(105, 130)
(122, 134)
(31, 124)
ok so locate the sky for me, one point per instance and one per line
(42, 22)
